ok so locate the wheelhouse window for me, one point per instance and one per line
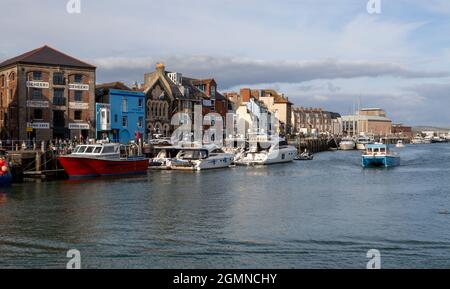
(98, 150)
(77, 114)
(81, 149)
(89, 150)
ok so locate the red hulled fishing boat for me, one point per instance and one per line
(102, 160)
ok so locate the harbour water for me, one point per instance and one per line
(326, 213)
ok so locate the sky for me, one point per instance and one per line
(319, 53)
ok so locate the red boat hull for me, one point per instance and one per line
(78, 167)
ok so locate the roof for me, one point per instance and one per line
(375, 146)
(126, 92)
(112, 85)
(48, 56)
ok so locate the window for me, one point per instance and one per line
(36, 94)
(78, 95)
(78, 78)
(140, 102)
(97, 150)
(1, 99)
(37, 114)
(58, 97)
(58, 78)
(124, 121)
(213, 91)
(12, 76)
(124, 105)
(140, 122)
(77, 115)
(37, 75)
(89, 150)
(116, 119)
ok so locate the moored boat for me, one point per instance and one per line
(164, 157)
(267, 153)
(347, 144)
(201, 158)
(400, 144)
(362, 142)
(102, 160)
(379, 155)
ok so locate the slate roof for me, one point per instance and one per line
(46, 55)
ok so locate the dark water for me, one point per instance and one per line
(322, 214)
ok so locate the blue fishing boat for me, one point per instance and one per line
(379, 155)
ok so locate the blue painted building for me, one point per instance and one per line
(122, 116)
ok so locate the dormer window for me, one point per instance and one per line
(213, 91)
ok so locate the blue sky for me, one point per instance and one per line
(323, 53)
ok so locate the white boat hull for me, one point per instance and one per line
(284, 155)
(217, 162)
(346, 146)
(361, 146)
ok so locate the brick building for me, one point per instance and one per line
(315, 121)
(46, 94)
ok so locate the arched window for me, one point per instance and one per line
(166, 110)
(12, 76)
(2, 81)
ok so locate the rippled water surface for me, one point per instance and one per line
(322, 214)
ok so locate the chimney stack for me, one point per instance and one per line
(160, 68)
(245, 94)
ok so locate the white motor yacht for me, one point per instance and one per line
(201, 158)
(347, 144)
(267, 153)
(362, 142)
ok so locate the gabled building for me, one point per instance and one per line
(315, 121)
(215, 102)
(166, 94)
(46, 94)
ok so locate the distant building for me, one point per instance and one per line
(46, 94)
(402, 131)
(251, 114)
(370, 121)
(315, 121)
(277, 104)
(121, 114)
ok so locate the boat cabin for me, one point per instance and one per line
(103, 151)
(199, 153)
(377, 149)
